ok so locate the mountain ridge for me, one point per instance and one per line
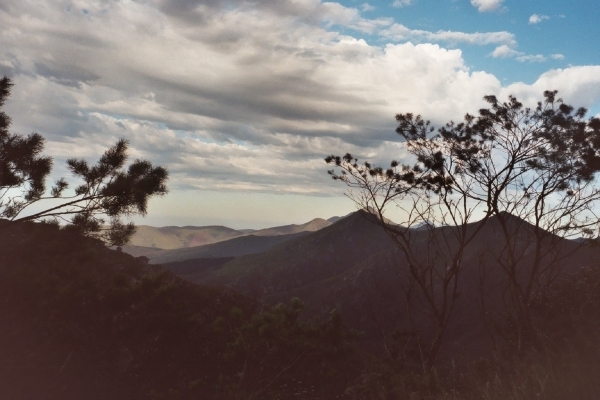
(352, 265)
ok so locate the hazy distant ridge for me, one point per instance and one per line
(174, 237)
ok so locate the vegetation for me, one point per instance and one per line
(567, 368)
(82, 321)
(539, 165)
(108, 190)
(79, 320)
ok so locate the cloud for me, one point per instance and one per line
(531, 58)
(504, 51)
(233, 97)
(366, 7)
(401, 3)
(579, 86)
(535, 19)
(487, 5)
(400, 32)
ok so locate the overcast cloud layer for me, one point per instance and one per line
(234, 95)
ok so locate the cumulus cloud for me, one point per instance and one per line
(231, 96)
(503, 51)
(535, 18)
(579, 86)
(487, 5)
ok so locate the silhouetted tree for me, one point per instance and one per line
(428, 195)
(109, 191)
(537, 164)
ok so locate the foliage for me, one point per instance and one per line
(538, 164)
(279, 356)
(82, 321)
(108, 189)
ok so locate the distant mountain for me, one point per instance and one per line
(353, 266)
(249, 244)
(173, 237)
(336, 219)
(311, 226)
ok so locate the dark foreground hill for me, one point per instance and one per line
(353, 266)
(81, 321)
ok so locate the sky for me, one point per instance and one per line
(241, 100)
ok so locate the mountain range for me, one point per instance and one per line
(83, 321)
(352, 265)
(172, 244)
(174, 237)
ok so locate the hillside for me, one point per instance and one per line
(352, 266)
(81, 321)
(175, 237)
(311, 226)
(236, 247)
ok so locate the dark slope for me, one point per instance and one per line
(196, 266)
(81, 321)
(305, 260)
(239, 246)
(311, 226)
(353, 266)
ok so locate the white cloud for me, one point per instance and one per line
(400, 32)
(231, 98)
(366, 7)
(487, 5)
(504, 51)
(401, 3)
(535, 18)
(578, 86)
(531, 58)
